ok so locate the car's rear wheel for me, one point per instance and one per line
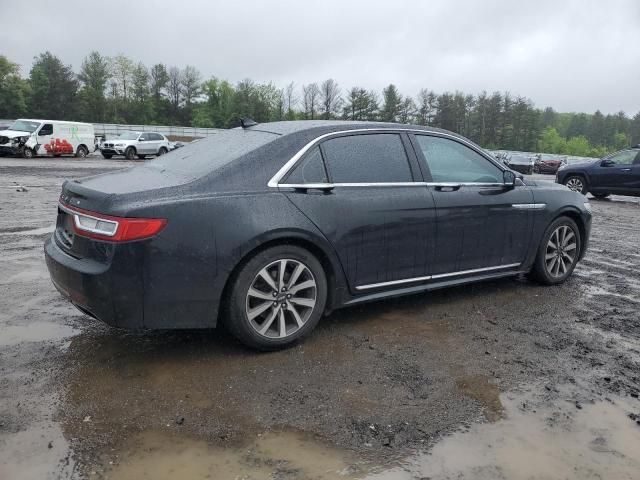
(277, 297)
(130, 153)
(558, 252)
(600, 196)
(162, 151)
(82, 151)
(107, 155)
(577, 183)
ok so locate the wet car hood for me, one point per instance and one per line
(14, 133)
(580, 165)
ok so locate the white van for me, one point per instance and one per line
(28, 138)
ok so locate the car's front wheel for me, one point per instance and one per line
(558, 252)
(277, 297)
(130, 153)
(576, 183)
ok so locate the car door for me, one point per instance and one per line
(365, 194)
(143, 146)
(614, 173)
(154, 143)
(482, 225)
(44, 140)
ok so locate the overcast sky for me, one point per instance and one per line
(574, 55)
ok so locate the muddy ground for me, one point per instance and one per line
(505, 379)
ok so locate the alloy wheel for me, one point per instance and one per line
(281, 298)
(561, 251)
(575, 184)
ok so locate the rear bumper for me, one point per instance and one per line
(97, 289)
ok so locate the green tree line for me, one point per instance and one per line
(120, 90)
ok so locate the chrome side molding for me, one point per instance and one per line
(435, 277)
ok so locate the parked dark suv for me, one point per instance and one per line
(266, 228)
(618, 173)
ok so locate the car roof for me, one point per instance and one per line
(298, 126)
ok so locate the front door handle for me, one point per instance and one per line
(625, 169)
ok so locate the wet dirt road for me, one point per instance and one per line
(504, 379)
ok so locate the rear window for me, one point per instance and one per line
(211, 153)
(370, 158)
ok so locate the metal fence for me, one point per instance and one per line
(112, 129)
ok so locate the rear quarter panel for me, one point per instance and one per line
(187, 266)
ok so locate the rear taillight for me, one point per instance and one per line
(114, 229)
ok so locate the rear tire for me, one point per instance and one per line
(107, 155)
(577, 183)
(162, 151)
(269, 307)
(130, 153)
(558, 252)
(82, 152)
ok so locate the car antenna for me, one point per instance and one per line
(247, 122)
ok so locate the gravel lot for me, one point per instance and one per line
(504, 379)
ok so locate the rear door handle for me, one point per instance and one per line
(447, 188)
(625, 169)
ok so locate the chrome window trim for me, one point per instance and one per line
(390, 184)
(274, 182)
(529, 206)
(435, 277)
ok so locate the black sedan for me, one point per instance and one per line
(265, 228)
(618, 173)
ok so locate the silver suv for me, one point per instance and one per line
(135, 144)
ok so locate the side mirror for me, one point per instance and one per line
(509, 178)
(607, 163)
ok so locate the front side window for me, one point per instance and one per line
(309, 170)
(450, 161)
(368, 158)
(47, 129)
(624, 158)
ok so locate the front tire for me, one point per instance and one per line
(558, 252)
(27, 152)
(276, 298)
(130, 153)
(577, 183)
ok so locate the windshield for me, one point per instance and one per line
(128, 136)
(24, 126)
(211, 153)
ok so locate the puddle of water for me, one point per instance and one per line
(33, 231)
(595, 442)
(34, 332)
(40, 452)
(158, 455)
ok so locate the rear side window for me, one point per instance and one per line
(371, 158)
(450, 161)
(155, 136)
(309, 170)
